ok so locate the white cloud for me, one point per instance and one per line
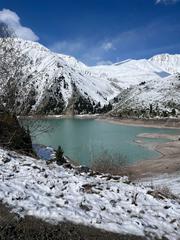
(69, 47)
(108, 46)
(13, 21)
(79, 48)
(167, 1)
(139, 42)
(85, 50)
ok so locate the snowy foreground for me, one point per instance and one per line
(53, 193)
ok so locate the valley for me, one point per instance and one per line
(111, 136)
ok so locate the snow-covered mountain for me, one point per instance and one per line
(146, 83)
(128, 73)
(159, 97)
(51, 83)
(169, 63)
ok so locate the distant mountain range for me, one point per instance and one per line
(51, 83)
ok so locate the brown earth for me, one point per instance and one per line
(13, 227)
(155, 123)
(168, 162)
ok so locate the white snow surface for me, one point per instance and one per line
(55, 194)
(163, 93)
(171, 181)
(45, 67)
(129, 73)
(168, 62)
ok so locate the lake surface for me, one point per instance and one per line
(86, 140)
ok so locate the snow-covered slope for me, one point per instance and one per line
(51, 83)
(168, 62)
(55, 194)
(50, 79)
(73, 62)
(161, 94)
(128, 73)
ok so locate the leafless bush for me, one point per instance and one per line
(36, 125)
(162, 192)
(107, 162)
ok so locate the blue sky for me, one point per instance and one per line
(98, 31)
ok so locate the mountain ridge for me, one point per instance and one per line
(53, 83)
(156, 98)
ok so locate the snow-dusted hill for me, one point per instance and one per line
(154, 97)
(51, 83)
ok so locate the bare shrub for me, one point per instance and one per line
(36, 125)
(162, 192)
(107, 162)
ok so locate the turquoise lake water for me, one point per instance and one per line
(85, 140)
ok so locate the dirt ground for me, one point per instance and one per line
(168, 162)
(155, 123)
(13, 227)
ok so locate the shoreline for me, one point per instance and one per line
(167, 163)
(53, 117)
(169, 123)
(169, 159)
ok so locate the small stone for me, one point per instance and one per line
(173, 221)
(6, 160)
(103, 208)
(113, 203)
(85, 207)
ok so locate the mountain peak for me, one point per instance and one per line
(52, 82)
(168, 62)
